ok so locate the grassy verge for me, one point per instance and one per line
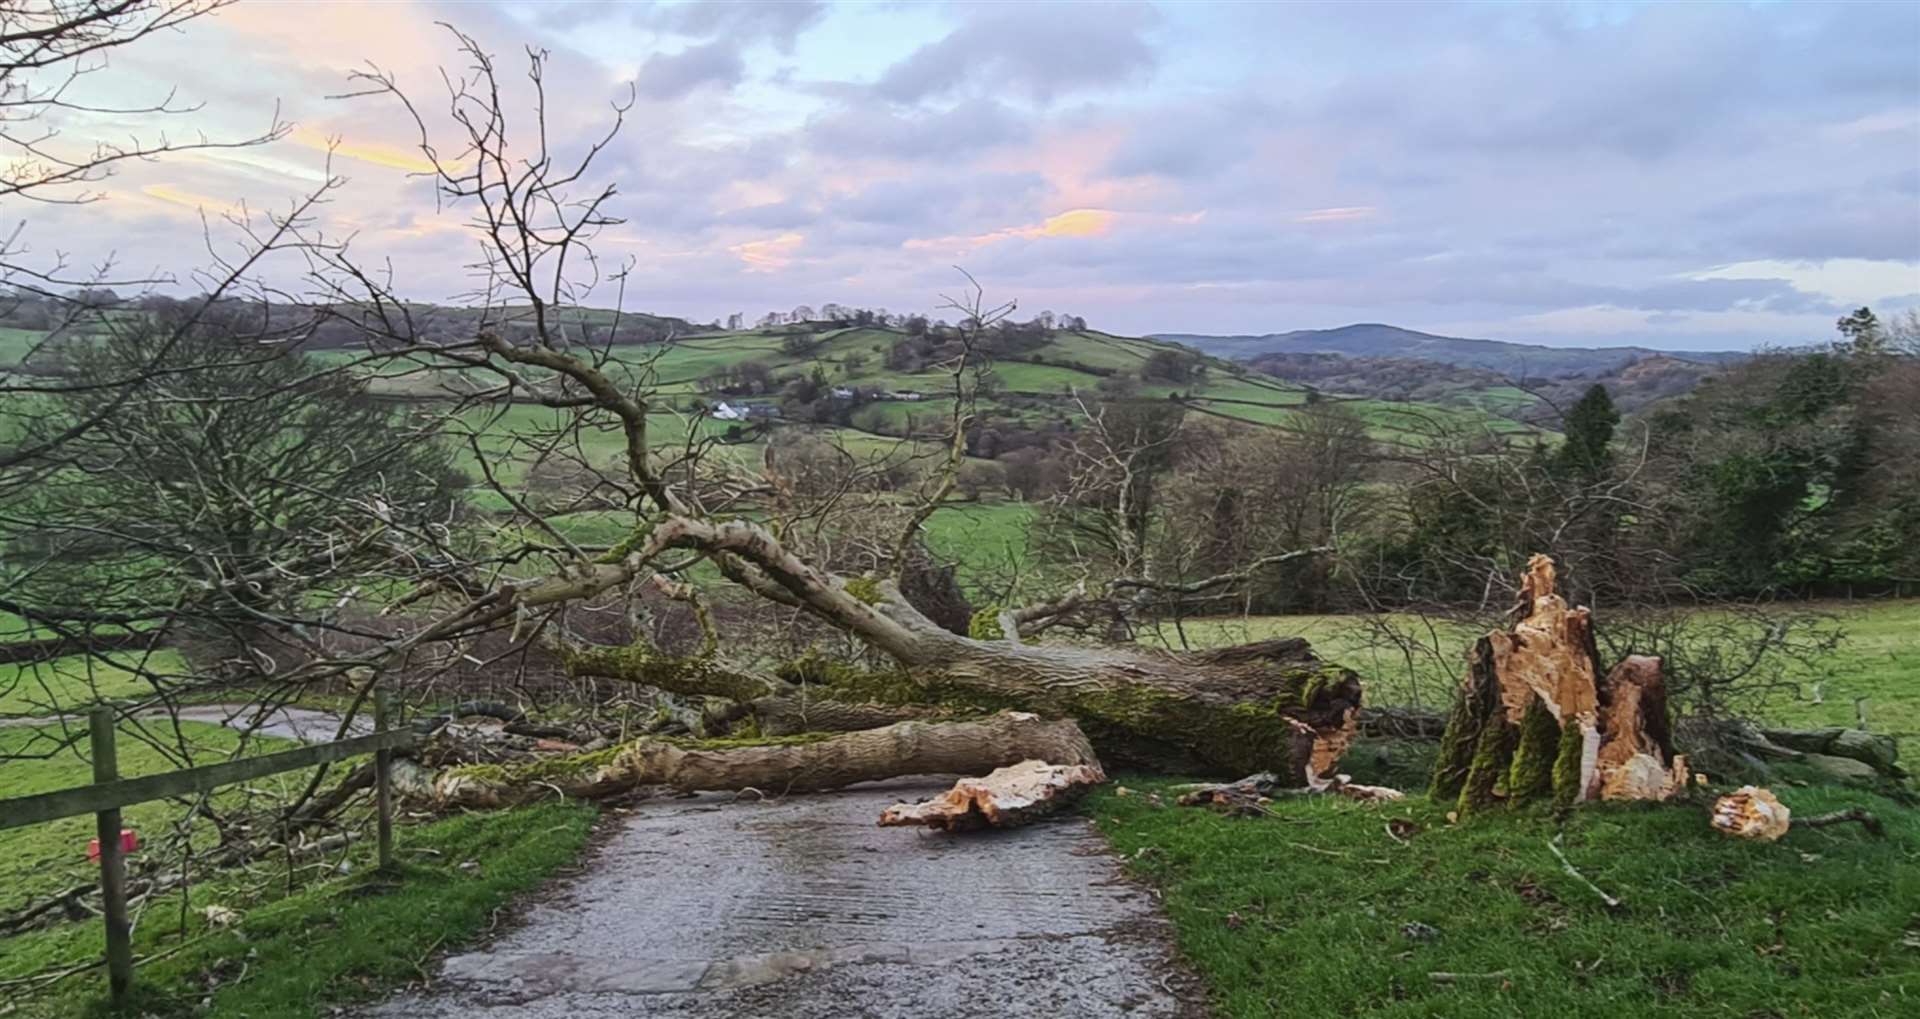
(308, 938)
(1319, 911)
(41, 859)
(71, 683)
(328, 944)
(1877, 664)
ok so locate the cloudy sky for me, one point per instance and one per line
(1681, 175)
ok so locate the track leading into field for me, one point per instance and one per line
(801, 908)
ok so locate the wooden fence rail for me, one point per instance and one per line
(109, 792)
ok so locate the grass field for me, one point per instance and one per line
(16, 344)
(328, 940)
(41, 859)
(327, 944)
(1877, 663)
(67, 684)
(1318, 910)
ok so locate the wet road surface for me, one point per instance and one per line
(801, 908)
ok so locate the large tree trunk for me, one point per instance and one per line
(1269, 706)
(1535, 718)
(774, 767)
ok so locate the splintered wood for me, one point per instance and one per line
(1631, 762)
(1536, 716)
(1545, 655)
(1622, 718)
(1751, 813)
(1007, 797)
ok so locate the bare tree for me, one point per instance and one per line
(1265, 706)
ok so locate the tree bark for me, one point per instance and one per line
(1536, 719)
(1267, 706)
(774, 766)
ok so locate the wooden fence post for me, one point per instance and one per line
(383, 781)
(113, 865)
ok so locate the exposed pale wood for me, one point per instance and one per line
(1250, 795)
(1005, 798)
(1536, 717)
(1751, 812)
(1633, 761)
(1547, 653)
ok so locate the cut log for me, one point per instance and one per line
(1005, 798)
(1535, 718)
(808, 763)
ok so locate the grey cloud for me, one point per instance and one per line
(773, 215)
(872, 129)
(1669, 79)
(779, 23)
(672, 75)
(1041, 50)
(1878, 219)
(1202, 139)
(946, 204)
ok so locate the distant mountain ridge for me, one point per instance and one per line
(1373, 339)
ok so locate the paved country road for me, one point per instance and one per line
(800, 908)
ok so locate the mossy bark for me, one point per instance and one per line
(1530, 776)
(1492, 755)
(804, 763)
(1567, 773)
(1475, 702)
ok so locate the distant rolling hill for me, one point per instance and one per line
(1514, 360)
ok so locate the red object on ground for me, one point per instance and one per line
(129, 842)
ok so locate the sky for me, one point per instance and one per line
(1688, 176)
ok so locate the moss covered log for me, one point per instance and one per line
(1269, 706)
(807, 762)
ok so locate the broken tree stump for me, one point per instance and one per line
(1005, 798)
(1536, 717)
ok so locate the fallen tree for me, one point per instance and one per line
(838, 559)
(773, 766)
(1267, 706)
